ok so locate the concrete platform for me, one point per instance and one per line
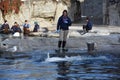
(106, 38)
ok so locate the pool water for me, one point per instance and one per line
(41, 67)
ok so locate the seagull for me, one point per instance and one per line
(13, 49)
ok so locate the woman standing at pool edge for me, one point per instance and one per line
(63, 25)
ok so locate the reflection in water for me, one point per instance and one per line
(63, 70)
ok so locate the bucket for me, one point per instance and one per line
(90, 46)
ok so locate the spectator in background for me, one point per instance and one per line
(88, 25)
(5, 28)
(16, 28)
(36, 27)
(26, 27)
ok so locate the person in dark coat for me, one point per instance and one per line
(16, 28)
(5, 28)
(88, 26)
(63, 26)
(36, 27)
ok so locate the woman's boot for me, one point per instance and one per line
(63, 45)
(59, 44)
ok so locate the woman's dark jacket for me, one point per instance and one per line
(16, 29)
(89, 25)
(64, 23)
(36, 27)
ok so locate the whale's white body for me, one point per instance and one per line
(13, 49)
(58, 59)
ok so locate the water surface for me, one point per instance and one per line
(81, 67)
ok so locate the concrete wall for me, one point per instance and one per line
(114, 13)
(93, 8)
(114, 16)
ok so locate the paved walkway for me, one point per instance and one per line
(96, 31)
(101, 28)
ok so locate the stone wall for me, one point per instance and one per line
(47, 12)
(1, 19)
(75, 10)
